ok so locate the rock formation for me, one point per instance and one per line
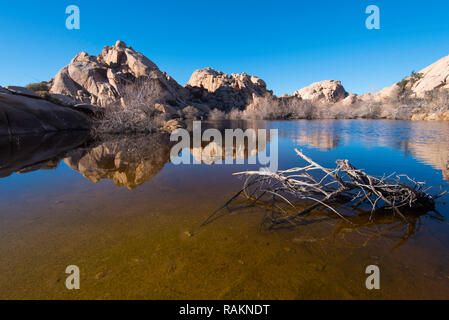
(434, 76)
(222, 91)
(326, 92)
(104, 79)
(22, 113)
(123, 77)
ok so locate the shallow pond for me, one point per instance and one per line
(131, 220)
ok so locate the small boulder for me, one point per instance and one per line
(120, 44)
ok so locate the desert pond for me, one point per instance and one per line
(132, 221)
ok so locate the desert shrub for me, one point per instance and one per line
(270, 107)
(415, 77)
(117, 120)
(38, 87)
(43, 90)
(135, 111)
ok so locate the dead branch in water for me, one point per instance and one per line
(330, 188)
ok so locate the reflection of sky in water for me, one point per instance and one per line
(419, 149)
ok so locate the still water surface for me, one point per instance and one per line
(131, 220)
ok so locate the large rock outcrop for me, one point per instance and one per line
(222, 91)
(432, 77)
(22, 114)
(105, 79)
(326, 92)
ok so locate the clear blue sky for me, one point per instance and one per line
(289, 44)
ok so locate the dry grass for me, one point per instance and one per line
(402, 107)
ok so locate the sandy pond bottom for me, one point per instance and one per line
(147, 243)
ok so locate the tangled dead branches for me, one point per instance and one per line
(318, 186)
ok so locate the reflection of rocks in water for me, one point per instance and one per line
(433, 153)
(322, 135)
(127, 160)
(319, 140)
(28, 153)
(213, 151)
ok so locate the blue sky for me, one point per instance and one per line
(289, 44)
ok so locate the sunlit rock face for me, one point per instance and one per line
(434, 76)
(326, 92)
(127, 161)
(222, 91)
(101, 79)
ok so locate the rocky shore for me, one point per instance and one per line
(121, 77)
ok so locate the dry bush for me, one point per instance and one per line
(339, 190)
(135, 111)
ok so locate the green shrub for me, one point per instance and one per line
(38, 87)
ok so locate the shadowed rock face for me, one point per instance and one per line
(25, 115)
(99, 79)
(128, 161)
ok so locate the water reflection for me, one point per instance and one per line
(131, 161)
(29, 153)
(128, 161)
(426, 141)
